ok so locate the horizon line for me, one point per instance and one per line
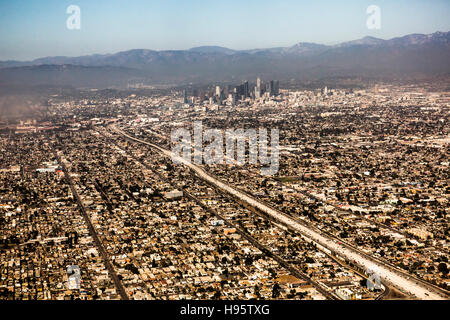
(219, 46)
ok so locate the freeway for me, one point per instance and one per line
(266, 250)
(393, 267)
(406, 284)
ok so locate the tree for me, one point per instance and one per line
(276, 291)
(442, 267)
(217, 295)
(256, 290)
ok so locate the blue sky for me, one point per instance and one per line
(37, 28)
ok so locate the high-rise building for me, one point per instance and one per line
(258, 88)
(232, 98)
(246, 90)
(257, 93)
(271, 86)
(242, 90)
(185, 96)
(276, 88)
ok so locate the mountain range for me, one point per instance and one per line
(414, 55)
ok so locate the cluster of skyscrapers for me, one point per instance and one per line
(240, 92)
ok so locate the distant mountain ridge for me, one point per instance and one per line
(212, 49)
(413, 54)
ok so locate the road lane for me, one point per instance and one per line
(407, 285)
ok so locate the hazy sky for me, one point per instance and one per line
(37, 28)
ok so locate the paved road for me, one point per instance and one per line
(435, 288)
(98, 243)
(294, 271)
(409, 286)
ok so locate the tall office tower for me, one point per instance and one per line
(276, 88)
(246, 90)
(325, 91)
(257, 93)
(232, 98)
(185, 96)
(258, 88)
(271, 87)
(217, 91)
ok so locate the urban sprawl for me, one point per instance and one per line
(361, 194)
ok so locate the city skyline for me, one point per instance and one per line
(203, 153)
